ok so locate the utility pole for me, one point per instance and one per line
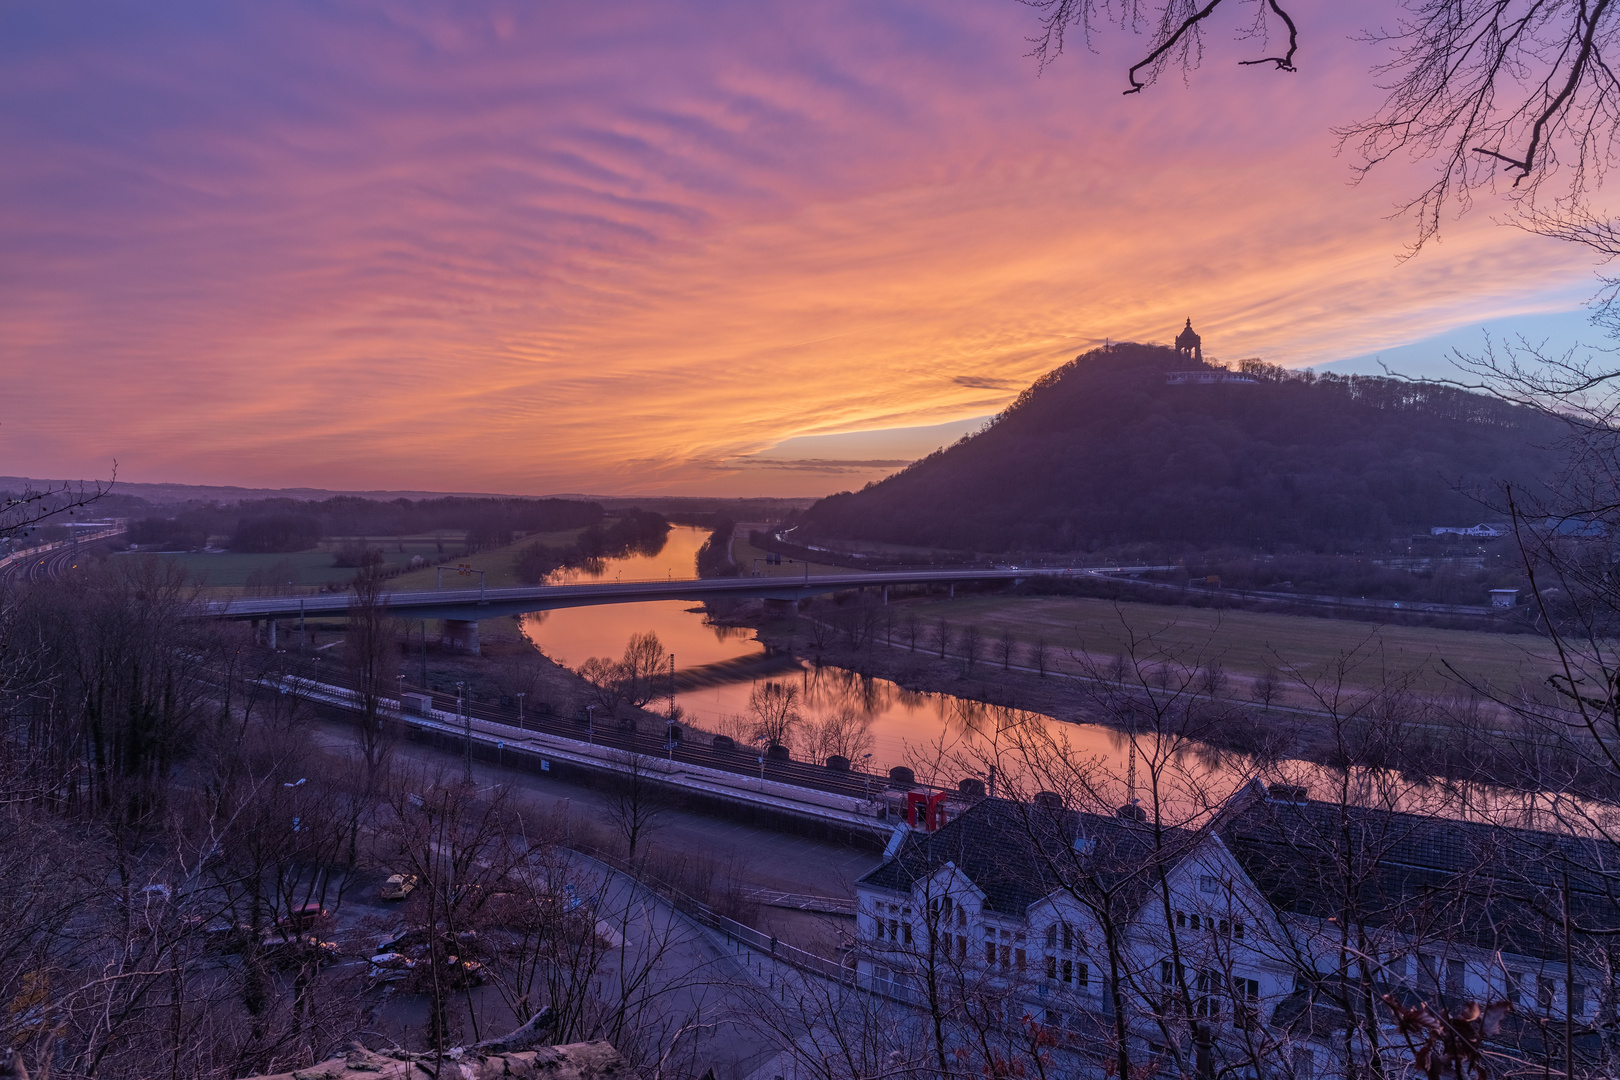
(466, 719)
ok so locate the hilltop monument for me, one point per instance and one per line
(1189, 344)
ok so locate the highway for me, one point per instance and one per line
(493, 603)
(52, 561)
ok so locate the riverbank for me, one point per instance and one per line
(1383, 717)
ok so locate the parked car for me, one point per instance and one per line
(397, 887)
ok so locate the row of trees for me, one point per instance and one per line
(177, 850)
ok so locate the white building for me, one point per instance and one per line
(1257, 944)
(1479, 531)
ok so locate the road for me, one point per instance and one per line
(492, 603)
(51, 562)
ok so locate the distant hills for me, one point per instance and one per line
(1137, 443)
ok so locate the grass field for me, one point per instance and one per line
(1247, 643)
(499, 565)
(227, 571)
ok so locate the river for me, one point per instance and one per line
(939, 735)
(725, 663)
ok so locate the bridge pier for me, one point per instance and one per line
(270, 637)
(461, 635)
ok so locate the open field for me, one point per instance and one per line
(499, 564)
(229, 570)
(1247, 643)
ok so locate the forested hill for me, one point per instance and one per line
(1107, 450)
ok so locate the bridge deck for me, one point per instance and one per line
(492, 603)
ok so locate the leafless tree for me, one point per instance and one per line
(942, 637)
(645, 668)
(1039, 655)
(911, 629)
(970, 648)
(774, 708)
(462, 845)
(845, 732)
(1511, 96)
(637, 799)
(1006, 645)
(1266, 688)
(371, 657)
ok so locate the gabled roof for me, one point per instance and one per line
(1013, 852)
(1477, 883)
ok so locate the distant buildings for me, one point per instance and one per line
(1483, 531)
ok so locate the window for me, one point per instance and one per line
(1208, 985)
(1068, 971)
(1052, 967)
(1577, 999)
(1226, 928)
(961, 916)
(961, 948)
(905, 932)
(1245, 1002)
(1068, 936)
(894, 929)
(1054, 1018)
(1006, 957)
(1209, 883)
(1082, 976)
(1181, 919)
(1456, 977)
(1237, 929)
(1052, 936)
(1195, 922)
(1020, 960)
(1546, 993)
(989, 952)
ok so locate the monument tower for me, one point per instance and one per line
(1189, 344)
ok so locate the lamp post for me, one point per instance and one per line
(590, 724)
(866, 777)
(466, 721)
(520, 709)
(400, 679)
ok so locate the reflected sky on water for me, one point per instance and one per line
(938, 734)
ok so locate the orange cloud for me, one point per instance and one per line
(628, 249)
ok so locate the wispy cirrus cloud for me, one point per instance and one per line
(635, 247)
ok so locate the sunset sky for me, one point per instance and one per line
(667, 247)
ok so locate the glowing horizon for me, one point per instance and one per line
(637, 250)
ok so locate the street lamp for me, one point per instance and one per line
(590, 724)
(466, 720)
(866, 776)
(520, 709)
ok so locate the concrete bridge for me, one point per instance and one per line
(464, 608)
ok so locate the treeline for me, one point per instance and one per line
(285, 525)
(632, 532)
(1104, 452)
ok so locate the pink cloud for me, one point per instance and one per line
(614, 248)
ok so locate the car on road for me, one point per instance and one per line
(397, 887)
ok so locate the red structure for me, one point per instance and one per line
(925, 812)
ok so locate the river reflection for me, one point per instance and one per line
(906, 727)
(943, 737)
